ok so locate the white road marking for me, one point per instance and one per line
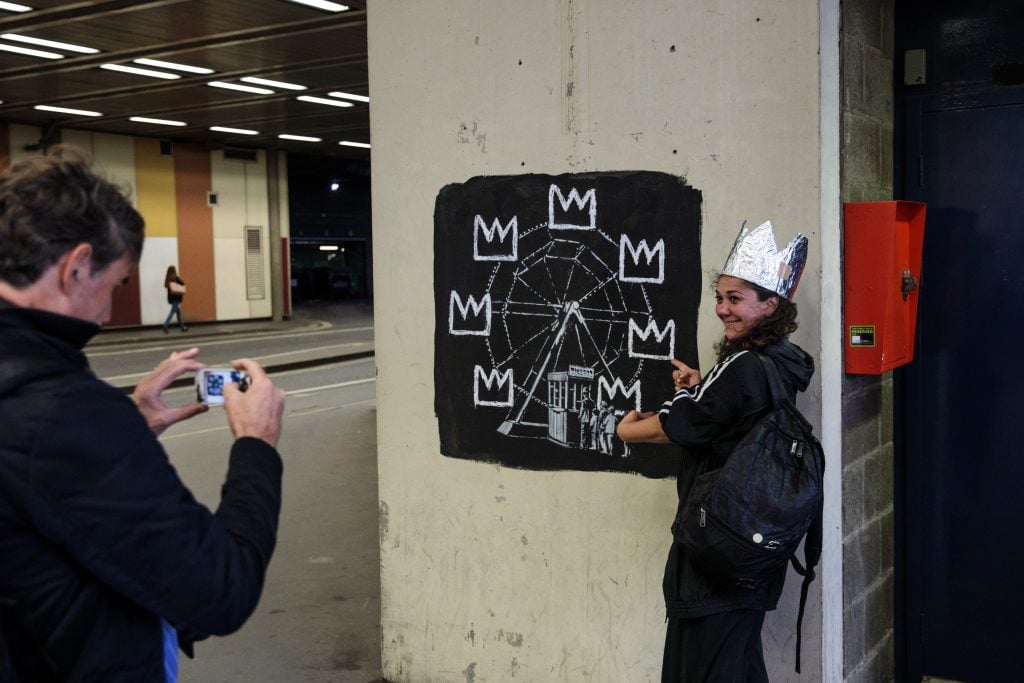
(259, 359)
(183, 342)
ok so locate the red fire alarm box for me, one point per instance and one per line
(882, 244)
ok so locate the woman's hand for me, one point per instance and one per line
(637, 427)
(684, 377)
(147, 394)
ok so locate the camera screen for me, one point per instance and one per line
(215, 382)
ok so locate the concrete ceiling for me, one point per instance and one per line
(269, 39)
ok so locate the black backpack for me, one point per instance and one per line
(744, 521)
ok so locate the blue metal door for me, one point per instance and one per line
(962, 503)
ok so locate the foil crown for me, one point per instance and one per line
(756, 258)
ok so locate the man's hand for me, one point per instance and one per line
(684, 377)
(257, 411)
(147, 395)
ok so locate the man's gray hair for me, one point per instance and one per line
(50, 204)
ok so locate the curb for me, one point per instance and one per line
(150, 335)
(270, 369)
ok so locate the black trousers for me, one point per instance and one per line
(720, 648)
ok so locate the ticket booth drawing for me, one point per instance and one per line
(570, 405)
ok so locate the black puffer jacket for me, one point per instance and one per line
(99, 539)
(708, 421)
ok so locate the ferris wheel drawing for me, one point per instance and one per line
(567, 322)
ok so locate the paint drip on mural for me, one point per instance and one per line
(560, 301)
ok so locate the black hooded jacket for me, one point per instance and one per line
(708, 420)
(99, 538)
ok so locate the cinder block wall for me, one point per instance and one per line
(867, 173)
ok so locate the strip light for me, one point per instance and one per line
(324, 100)
(140, 72)
(236, 131)
(273, 84)
(241, 88)
(145, 61)
(15, 7)
(65, 110)
(348, 143)
(30, 52)
(55, 44)
(349, 96)
(300, 138)
(322, 4)
(159, 122)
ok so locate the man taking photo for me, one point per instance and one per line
(108, 564)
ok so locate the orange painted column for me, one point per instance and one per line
(195, 230)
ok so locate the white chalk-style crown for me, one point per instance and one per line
(756, 258)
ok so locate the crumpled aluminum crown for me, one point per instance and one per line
(756, 258)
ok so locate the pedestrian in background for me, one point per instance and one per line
(175, 295)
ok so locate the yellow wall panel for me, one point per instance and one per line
(154, 187)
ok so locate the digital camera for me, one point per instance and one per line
(210, 384)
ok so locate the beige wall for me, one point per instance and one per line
(497, 574)
(243, 200)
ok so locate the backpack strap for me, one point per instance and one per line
(775, 385)
(812, 553)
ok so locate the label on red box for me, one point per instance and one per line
(862, 335)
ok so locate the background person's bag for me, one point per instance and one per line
(743, 521)
(176, 287)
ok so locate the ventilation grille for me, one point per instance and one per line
(240, 154)
(254, 281)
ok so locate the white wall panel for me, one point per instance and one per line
(157, 254)
(229, 255)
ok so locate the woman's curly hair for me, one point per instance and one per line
(770, 330)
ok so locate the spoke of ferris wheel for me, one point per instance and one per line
(515, 352)
(525, 308)
(579, 342)
(569, 312)
(609, 315)
(600, 285)
(597, 347)
(530, 287)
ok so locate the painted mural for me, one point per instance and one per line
(559, 302)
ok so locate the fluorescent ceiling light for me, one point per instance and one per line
(300, 138)
(242, 88)
(145, 61)
(322, 4)
(273, 84)
(14, 7)
(347, 143)
(139, 72)
(237, 131)
(30, 52)
(349, 96)
(328, 247)
(65, 110)
(159, 122)
(324, 100)
(56, 45)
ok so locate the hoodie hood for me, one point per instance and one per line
(795, 365)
